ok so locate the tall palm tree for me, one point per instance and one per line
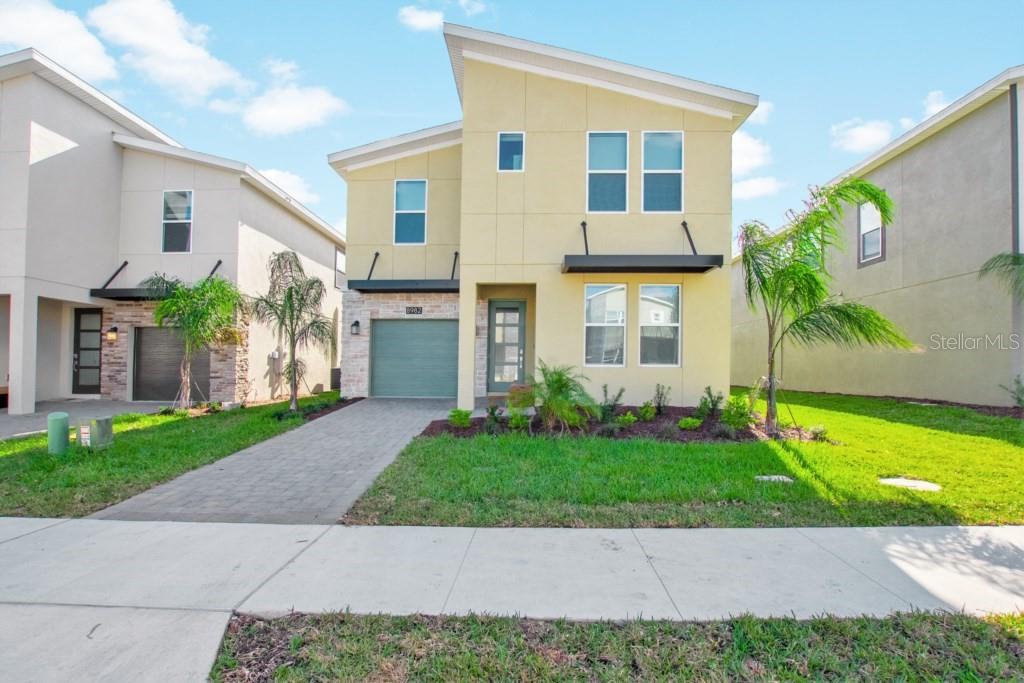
(203, 315)
(1008, 267)
(293, 306)
(785, 274)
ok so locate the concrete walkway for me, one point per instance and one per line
(310, 475)
(78, 410)
(149, 600)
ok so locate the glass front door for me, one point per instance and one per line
(85, 377)
(506, 344)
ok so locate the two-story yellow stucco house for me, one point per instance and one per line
(579, 214)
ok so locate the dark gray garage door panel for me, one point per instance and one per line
(414, 358)
(158, 354)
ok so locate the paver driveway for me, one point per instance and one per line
(310, 475)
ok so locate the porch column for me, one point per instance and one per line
(23, 336)
(467, 345)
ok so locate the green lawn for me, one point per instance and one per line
(147, 450)
(907, 647)
(522, 481)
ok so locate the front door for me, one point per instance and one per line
(506, 341)
(85, 377)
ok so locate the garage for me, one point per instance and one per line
(157, 360)
(414, 358)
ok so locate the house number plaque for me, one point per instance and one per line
(414, 310)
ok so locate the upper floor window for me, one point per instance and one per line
(177, 221)
(659, 324)
(511, 151)
(663, 172)
(607, 172)
(339, 268)
(604, 325)
(871, 246)
(410, 212)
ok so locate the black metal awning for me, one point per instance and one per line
(124, 294)
(396, 286)
(641, 263)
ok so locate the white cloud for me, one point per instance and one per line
(934, 102)
(161, 44)
(289, 108)
(754, 188)
(281, 70)
(906, 123)
(749, 153)
(761, 114)
(293, 184)
(471, 7)
(57, 33)
(419, 19)
(859, 136)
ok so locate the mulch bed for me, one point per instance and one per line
(663, 428)
(344, 403)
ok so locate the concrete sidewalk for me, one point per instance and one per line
(149, 600)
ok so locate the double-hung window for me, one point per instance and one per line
(607, 172)
(177, 222)
(511, 151)
(410, 212)
(870, 228)
(339, 268)
(605, 325)
(663, 172)
(659, 325)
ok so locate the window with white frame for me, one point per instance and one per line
(604, 325)
(870, 221)
(177, 222)
(607, 172)
(663, 172)
(659, 324)
(339, 268)
(511, 151)
(410, 212)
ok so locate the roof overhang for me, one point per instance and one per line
(124, 294)
(30, 60)
(398, 286)
(389, 149)
(546, 60)
(641, 263)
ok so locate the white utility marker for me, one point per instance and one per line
(916, 484)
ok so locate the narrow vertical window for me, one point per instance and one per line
(339, 268)
(659, 324)
(870, 224)
(663, 172)
(177, 221)
(605, 325)
(511, 151)
(607, 172)
(410, 212)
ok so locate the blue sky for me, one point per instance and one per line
(282, 84)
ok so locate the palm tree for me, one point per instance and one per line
(203, 315)
(785, 274)
(1009, 267)
(293, 307)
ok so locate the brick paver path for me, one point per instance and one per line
(310, 475)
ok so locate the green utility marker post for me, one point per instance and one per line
(57, 433)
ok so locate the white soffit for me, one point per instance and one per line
(400, 146)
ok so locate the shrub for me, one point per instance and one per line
(608, 429)
(459, 418)
(1016, 391)
(689, 423)
(521, 396)
(710, 405)
(647, 412)
(667, 431)
(610, 404)
(518, 421)
(661, 394)
(492, 423)
(723, 431)
(626, 419)
(215, 407)
(818, 433)
(563, 402)
(737, 413)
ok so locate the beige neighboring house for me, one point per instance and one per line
(92, 201)
(956, 182)
(579, 214)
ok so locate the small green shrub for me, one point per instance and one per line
(562, 400)
(710, 405)
(459, 418)
(215, 407)
(608, 429)
(723, 431)
(689, 424)
(1016, 391)
(518, 421)
(626, 419)
(647, 412)
(661, 396)
(667, 431)
(737, 413)
(818, 433)
(610, 404)
(492, 423)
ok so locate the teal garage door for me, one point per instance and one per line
(414, 358)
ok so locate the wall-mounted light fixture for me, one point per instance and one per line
(354, 329)
(111, 334)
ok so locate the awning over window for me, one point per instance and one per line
(396, 286)
(129, 294)
(641, 263)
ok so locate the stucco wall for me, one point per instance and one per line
(5, 332)
(952, 196)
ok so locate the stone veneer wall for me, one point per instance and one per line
(355, 366)
(229, 367)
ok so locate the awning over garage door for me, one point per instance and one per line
(414, 358)
(158, 354)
